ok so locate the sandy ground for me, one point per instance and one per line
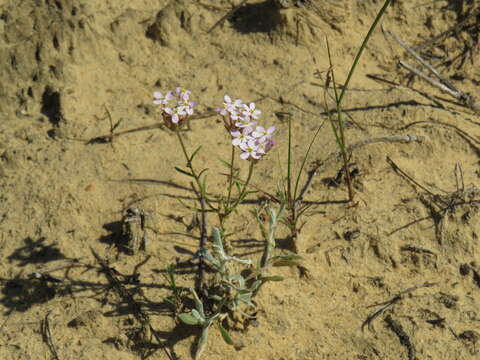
(71, 68)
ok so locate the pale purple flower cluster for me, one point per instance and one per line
(175, 105)
(240, 120)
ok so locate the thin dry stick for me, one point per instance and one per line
(226, 16)
(393, 301)
(444, 203)
(394, 84)
(446, 33)
(48, 338)
(459, 131)
(411, 179)
(7, 318)
(419, 58)
(416, 221)
(285, 91)
(444, 85)
(127, 297)
(109, 137)
(212, 6)
(203, 239)
(457, 95)
(397, 328)
(386, 139)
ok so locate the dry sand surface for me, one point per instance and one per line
(406, 256)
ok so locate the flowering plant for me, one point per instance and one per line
(175, 106)
(239, 120)
(232, 293)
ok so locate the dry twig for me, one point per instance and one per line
(127, 297)
(397, 328)
(443, 84)
(226, 16)
(385, 139)
(391, 302)
(439, 205)
(48, 338)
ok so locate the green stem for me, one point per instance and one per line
(244, 189)
(362, 47)
(194, 173)
(189, 163)
(289, 165)
(232, 160)
(184, 149)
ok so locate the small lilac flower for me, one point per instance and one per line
(265, 145)
(262, 133)
(250, 111)
(175, 105)
(240, 137)
(245, 122)
(269, 144)
(189, 108)
(250, 149)
(182, 94)
(187, 105)
(232, 104)
(159, 99)
(175, 113)
(230, 107)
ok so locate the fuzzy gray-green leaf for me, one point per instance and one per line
(273, 278)
(279, 263)
(286, 260)
(188, 319)
(226, 336)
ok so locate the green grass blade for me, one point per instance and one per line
(362, 47)
(289, 164)
(304, 162)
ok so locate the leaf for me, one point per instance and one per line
(273, 278)
(286, 263)
(244, 291)
(304, 160)
(217, 237)
(246, 298)
(198, 302)
(226, 236)
(286, 260)
(226, 336)
(224, 162)
(188, 319)
(238, 186)
(194, 153)
(186, 205)
(198, 316)
(184, 172)
(200, 174)
(117, 124)
(256, 285)
(203, 188)
(239, 278)
(288, 257)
